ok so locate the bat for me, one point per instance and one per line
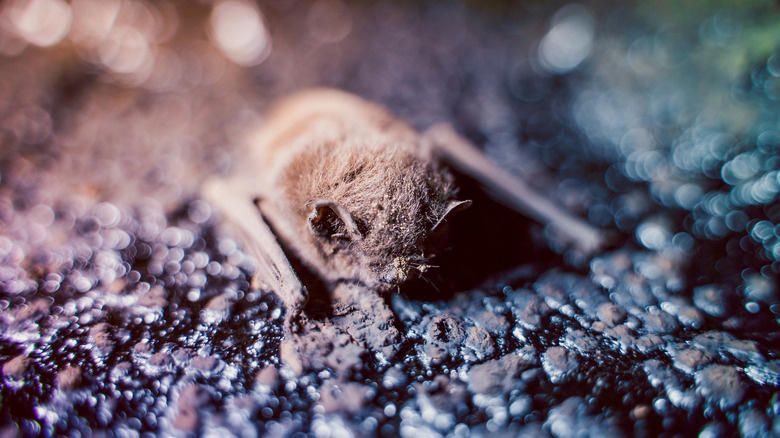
(355, 196)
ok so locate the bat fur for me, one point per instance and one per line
(354, 191)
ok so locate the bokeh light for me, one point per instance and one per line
(93, 20)
(329, 21)
(239, 31)
(40, 22)
(569, 40)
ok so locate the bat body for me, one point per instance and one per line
(361, 199)
(354, 191)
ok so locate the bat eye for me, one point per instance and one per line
(331, 220)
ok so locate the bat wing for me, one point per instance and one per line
(511, 191)
(274, 271)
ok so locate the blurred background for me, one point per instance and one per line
(659, 120)
(655, 118)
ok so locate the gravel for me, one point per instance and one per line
(126, 309)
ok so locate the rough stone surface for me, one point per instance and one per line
(572, 419)
(689, 359)
(16, 367)
(69, 378)
(559, 363)
(721, 385)
(711, 299)
(192, 401)
(611, 314)
(498, 376)
(128, 308)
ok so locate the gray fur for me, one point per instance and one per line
(331, 146)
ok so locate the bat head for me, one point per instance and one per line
(375, 215)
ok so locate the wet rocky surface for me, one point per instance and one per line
(127, 310)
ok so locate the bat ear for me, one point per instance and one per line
(330, 219)
(452, 207)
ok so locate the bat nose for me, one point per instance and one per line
(389, 276)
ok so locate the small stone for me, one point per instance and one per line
(529, 309)
(521, 406)
(624, 335)
(443, 339)
(69, 378)
(710, 299)
(613, 265)
(553, 287)
(101, 336)
(744, 350)
(497, 376)
(589, 298)
(559, 363)
(657, 321)
(343, 397)
(581, 341)
(726, 344)
(720, 385)
(155, 297)
(494, 323)
(161, 359)
(689, 359)
(765, 373)
(611, 314)
(712, 340)
(689, 316)
(192, 399)
(268, 376)
(35, 310)
(753, 424)
(446, 329)
(142, 348)
(221, 303)
(480, 341)
(632, 291)
(205, 363)
(599, 327)
(16, 367)
(637, 288)
(648, 343)
(760, 288)
(572, 419)
(641, 412)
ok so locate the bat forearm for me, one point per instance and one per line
(511, 190)
(273, 269)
